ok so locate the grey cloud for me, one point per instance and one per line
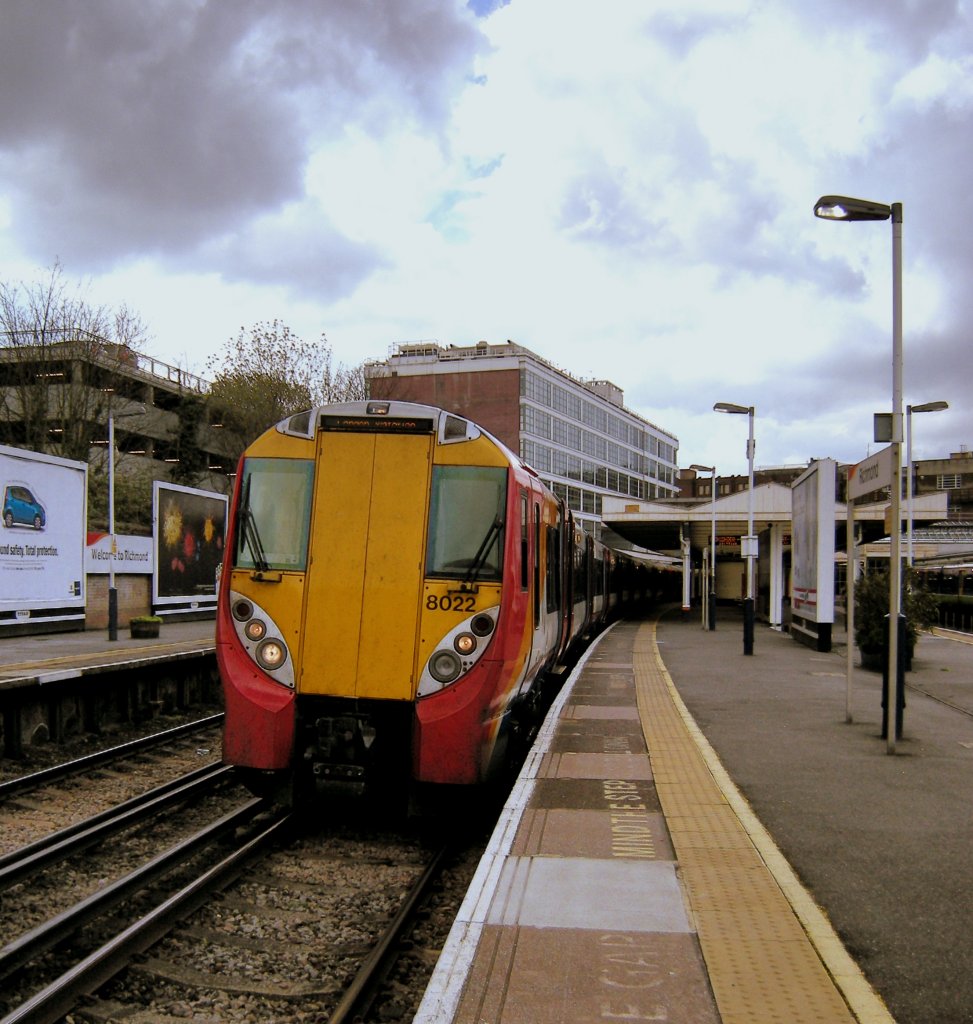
(305, 254)
(150, 127)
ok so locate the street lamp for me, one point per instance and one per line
(846, 208)
(112, 592)
(749, 546)
(909, 410)
(711, 598)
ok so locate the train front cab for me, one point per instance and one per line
(383, 649)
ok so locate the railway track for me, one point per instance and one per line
(308, 933)
(52, 888)
(34, 780)
(62, 994)
(33, 807)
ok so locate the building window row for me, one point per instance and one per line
(570, 404)
(537, 423)
(573, 467)
(577, 498)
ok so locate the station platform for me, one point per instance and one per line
(629, 879)
(53, 657)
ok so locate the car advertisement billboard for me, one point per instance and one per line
(188, 529)
(42, 536)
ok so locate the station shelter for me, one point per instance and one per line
(684, 530)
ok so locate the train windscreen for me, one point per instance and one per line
(274, 514)
(466, 518)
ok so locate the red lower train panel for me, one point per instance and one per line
(454, 730)
(261, 713)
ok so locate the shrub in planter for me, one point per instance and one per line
(144, 626)
(872, 607)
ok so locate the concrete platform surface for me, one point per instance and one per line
(692, 836)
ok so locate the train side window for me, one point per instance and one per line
(537, 565)
(553, 569)
(524, 547)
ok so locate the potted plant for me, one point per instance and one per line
(143, 627)
(871, 615)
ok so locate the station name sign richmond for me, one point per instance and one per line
(871, 474)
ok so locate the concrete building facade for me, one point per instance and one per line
(577, 435)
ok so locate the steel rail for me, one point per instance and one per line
(57, 846)
(41, 938)
(374, 968)
(60, 771)
(59, 997)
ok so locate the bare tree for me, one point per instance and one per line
(267, 373)
(58, 358)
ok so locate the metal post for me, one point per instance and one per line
(908, 482)
(711, 598)
(112, 592)
(851, 571)
(895, 553)
(748, 604)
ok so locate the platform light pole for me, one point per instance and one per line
(749, 542)
(112, 591)
(711, 596)
(909, 410)
(845, 208)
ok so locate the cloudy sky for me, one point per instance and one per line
(625, 188)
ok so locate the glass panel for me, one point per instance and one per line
(274, 514)
(466, 515)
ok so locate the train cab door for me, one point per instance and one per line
(363, 594)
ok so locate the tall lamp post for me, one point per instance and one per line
(711, 598)
(844, 208)
(909, 410)
(749, 545)
(112, 591)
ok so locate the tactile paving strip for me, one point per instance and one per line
(754, 923)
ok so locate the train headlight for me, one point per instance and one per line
(256, 630)
(242, 609)
(444, 666)
(482, 624)
(465, 644)
(271, 654)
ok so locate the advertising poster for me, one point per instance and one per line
(188, 528)
(812, 543)
(42, 536)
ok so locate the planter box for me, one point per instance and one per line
(144, 630)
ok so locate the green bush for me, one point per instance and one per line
(921, 609)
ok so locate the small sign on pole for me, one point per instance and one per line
(871, 474)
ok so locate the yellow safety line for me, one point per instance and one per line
(770, 951)
(99, 657)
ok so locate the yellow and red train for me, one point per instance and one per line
(398, 593)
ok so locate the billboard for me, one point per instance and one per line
(812, 542)
(188, 529)
(42, 536)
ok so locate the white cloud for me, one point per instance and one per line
(625, 189)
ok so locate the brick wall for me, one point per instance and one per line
(490, 398)
(134, 598)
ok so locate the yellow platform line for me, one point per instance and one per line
(770, 951)
(104, 657)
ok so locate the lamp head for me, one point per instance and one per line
(929, 407)
(846, 208)
(744, 410)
